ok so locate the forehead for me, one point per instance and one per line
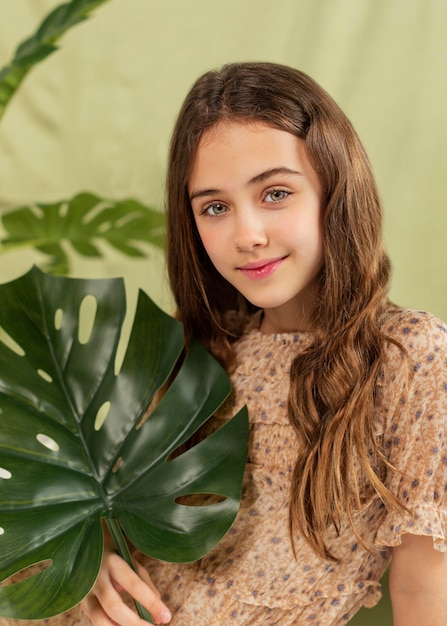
(232, 151)
(225, 131)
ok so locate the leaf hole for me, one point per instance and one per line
(95, 211)
(48, 442)
(126, 219)
(5, 474)
(37, 211)
(2, 531)
(148, 412)
(10, 343)
(102, 415)
(63, 209)
(27, 572)
(104, 227)
(87, 313)
(58, 319)
(200, 499)
(43, 374)
(117, 465)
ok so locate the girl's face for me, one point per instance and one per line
(257, 203)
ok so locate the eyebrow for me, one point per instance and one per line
(259, 178)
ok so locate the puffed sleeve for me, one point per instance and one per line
(415, 416)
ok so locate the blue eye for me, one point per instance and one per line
(276, 195)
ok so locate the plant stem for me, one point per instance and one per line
(123, 550)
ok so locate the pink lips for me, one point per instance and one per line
(261, 269)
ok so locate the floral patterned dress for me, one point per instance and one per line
(252, 578)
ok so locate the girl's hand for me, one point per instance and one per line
(104, 605)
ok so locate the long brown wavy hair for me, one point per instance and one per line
(333, 384)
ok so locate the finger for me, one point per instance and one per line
(95, 613)
(139, 589)
(109, 609)
(143, 573)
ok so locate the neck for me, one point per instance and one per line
(275, 324)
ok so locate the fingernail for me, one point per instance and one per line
(165, 617)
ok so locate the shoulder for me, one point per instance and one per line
(412, 410)
(419, 333)
(415, 365)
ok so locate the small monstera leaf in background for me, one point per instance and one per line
(41, 44)
(82, 221)
(75, 447)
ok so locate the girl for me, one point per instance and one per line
(277, 267)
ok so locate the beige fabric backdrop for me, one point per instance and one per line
(98, 113)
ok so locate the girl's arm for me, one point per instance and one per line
(418, 583)
(104, 605)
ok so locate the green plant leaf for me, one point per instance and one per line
(74, 447)
(41, 44)
(82, 221)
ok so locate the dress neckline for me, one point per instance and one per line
(253, 329)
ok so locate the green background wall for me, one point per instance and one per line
(97, 114)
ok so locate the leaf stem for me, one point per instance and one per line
(123, 550)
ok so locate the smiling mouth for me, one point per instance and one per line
(261, 269)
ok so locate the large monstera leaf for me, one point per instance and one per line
(75, 446)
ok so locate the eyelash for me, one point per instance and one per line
(285, 193)
(212, 205)
(206, 210)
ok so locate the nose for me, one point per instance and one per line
(250, 231)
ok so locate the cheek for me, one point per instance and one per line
(212, 241)
(303, 234)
